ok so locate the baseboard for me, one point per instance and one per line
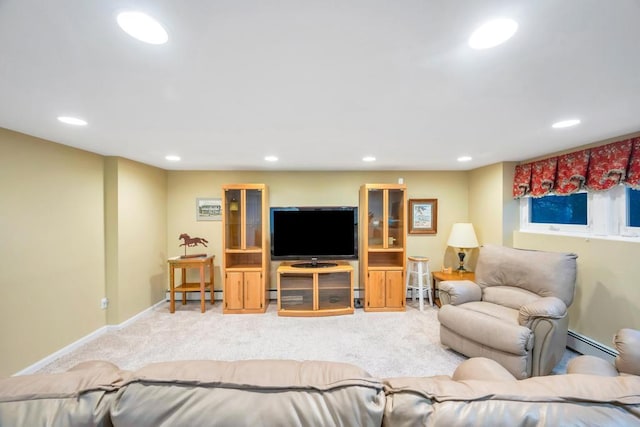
(585, 345)
(76, 344)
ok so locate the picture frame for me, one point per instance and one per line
(423, 216)
(208, 209)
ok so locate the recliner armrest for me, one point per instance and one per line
(456, 292)
(482, 369)
(591, 365)
(547, 307)
(627, 342)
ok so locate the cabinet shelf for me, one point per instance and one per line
(315, 291)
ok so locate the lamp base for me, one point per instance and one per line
(461, 256)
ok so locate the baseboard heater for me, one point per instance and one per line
(585, 345)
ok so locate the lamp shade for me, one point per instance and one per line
(463, 236)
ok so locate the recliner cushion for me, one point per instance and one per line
(509, 296)
(491, 325)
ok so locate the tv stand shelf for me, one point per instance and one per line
(315, 291)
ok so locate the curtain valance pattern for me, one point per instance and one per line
(595, 169)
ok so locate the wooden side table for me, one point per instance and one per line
(200, 263)
(440, 276)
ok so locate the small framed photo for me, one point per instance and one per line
(423, 216)
(208, 209)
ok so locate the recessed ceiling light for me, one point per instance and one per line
(368, 159)
(493, 33)
(142, 27)
(72, 121)
(271, 159)
(464, 158)
(565, 123)
(172, 158)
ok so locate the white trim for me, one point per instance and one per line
(84, 340)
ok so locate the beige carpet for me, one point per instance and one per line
(384, 344)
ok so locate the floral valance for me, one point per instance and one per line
(595, 169)
(572, 172)
(522, 180)
(543, 176)
(633, 169)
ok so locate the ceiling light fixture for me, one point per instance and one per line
(368, 159)
(464, 158)
(565, 123)
(173, 158)
(493, 33)
(142, 27)
(271, 158)
(72, 121)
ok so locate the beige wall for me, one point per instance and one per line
(52, 250)
(136, 206)
(309, 189)
(77, 226)
(607, 294)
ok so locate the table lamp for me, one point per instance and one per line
(462, 237)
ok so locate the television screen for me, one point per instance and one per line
(314, 232)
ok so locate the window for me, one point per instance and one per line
(571, 209)
(614, 213)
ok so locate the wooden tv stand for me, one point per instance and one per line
(315, 291)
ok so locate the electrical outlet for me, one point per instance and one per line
(104, 303)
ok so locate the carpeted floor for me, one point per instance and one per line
(384, 344)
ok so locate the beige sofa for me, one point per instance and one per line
(292, 393)
(515, 312)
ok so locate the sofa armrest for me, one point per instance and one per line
(482, 369)
(546, 307)
(591, 365)
(627, 342)
(456, 292)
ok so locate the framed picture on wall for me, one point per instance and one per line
(423, 216)
(208, 209)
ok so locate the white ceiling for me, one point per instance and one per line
(320, 84)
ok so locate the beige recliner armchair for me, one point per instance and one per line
(515, 312)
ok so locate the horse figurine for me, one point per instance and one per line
(192, 241)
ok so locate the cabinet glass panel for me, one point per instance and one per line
(396, 215)
(254, 219)
(376, 216)
(233, 214)
(334, 290)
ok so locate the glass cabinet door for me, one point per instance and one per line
(233, 215)
(254, 219)
(396, 215)
(376, 217)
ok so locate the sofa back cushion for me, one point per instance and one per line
(552, 400)
(251, 392)
(543, 273)
(80, 397)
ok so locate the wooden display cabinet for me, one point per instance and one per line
(245, 261)
(324, 291)
(383, 230)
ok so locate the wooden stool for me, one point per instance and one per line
(418, 267)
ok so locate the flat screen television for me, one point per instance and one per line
(314, 233)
